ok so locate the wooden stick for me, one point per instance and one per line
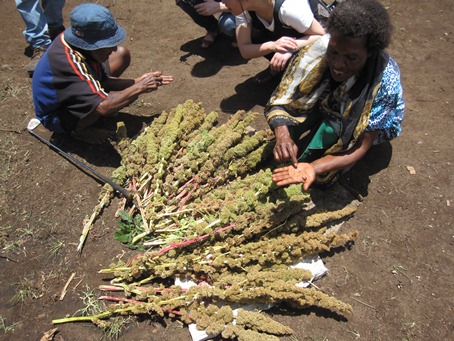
(367, 305)
(88, 223)
(65, 288)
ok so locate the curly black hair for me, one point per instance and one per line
(362, 18)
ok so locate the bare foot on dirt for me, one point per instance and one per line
(93, 135)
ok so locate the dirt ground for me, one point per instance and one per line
(398, 276)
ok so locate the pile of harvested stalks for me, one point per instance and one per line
(205, 206)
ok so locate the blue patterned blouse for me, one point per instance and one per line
(387, 110)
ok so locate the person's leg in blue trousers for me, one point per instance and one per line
(53, 11)
(227, 24)
(35, 32)
(209, 23)
(43, 21)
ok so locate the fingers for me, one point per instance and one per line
(286, 44)
(307, 184)
(206, 8)
(277, 64)
(166, 80)
(304, 173)
(284, 180)
(286, 152)
(279, 61)
(281, 177)
(153, 81)
(282, 183)
(293, 156)
(277, 155)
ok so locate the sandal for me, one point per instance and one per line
(209, 39)
(265, 77)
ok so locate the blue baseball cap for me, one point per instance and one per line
(93, 27)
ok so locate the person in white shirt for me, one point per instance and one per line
(274, 29)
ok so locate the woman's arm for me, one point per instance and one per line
(347, 159)
(250, 50)
(306, 172)
(314, 32)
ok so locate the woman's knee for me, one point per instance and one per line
(227, 24)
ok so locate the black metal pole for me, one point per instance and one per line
(101, 177)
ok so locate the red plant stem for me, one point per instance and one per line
(119, 299)
(182, 193)
(183, 202)
(129, 262)
(194, 240)
(186, 184)
(185, 243)
(181, 189)
(144, 289)
(136, 193)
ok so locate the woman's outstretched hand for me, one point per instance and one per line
(303, 173)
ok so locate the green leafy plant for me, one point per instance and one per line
(129, 227)
(6, 328)
(25, 291)
(55, 246)
(91, 303)
(115, 327)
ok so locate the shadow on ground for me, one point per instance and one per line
(376, 159)
(103, 155)
(219, 55)
(248, 95)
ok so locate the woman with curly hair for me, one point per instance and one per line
(342, 93)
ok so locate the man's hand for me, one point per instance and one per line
(209, 7)
(151, 80)
(117, 100)
(285, 149)
(303, 173)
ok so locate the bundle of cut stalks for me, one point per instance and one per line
(205, 206)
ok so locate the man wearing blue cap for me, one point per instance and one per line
(76, 81)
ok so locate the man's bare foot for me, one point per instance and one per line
(93, 135)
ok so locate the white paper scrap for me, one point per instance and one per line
(312, 263)
(315, 265)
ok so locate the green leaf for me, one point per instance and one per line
(125, 216)
(122, 237)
